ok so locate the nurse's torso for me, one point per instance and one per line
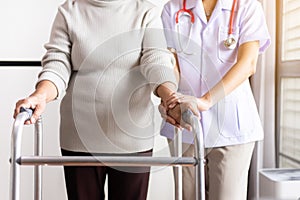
(203, 61)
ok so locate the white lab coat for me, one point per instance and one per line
(234, 119)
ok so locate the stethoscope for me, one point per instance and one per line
(229, 43)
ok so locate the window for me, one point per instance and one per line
(288, 84)
(290, 30)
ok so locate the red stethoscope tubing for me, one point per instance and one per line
(184, 10)
(230, 31)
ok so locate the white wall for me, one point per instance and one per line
(25, 27)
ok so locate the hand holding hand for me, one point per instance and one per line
(176, 113)
(164, 114)
(172, 108)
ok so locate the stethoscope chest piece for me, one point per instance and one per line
(230, 42)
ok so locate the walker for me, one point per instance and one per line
(38, 160)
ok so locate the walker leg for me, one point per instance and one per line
(38, 151)
(16, 140)
(178, 169)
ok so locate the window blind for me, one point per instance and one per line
(291, 30)
(290, 123)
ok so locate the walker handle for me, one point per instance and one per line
(187, 116)
(29, 111)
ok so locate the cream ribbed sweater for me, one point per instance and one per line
(108, 56)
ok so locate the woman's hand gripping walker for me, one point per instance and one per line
(24, 116)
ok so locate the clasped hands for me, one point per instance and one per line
(172, 107)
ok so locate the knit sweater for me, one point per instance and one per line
(106, 57)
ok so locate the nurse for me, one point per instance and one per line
(216, 44)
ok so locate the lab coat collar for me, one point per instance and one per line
(220, 5)
(225, 4)
(190, 4)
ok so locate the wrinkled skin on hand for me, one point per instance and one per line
(176, 113)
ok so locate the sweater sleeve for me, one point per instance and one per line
(157, 63)
(56, 62)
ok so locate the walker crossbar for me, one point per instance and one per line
(37, 160)
(136, 161)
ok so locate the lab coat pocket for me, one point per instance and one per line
(225, 54)
(245, 112)
(227, 117)
(235, 115)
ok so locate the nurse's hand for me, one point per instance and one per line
(194, 103)
(37, 102)
(189, 102)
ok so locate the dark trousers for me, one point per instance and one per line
(124, 183)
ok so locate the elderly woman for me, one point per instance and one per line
(104, 59)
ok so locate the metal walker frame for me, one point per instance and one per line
(37, 160)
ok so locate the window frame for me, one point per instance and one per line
(284, 69)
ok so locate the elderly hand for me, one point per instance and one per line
(163, 112)
(45, 92)
(173, 107)
(176, 113)
(36, 102)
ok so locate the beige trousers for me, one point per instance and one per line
(226, 172)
